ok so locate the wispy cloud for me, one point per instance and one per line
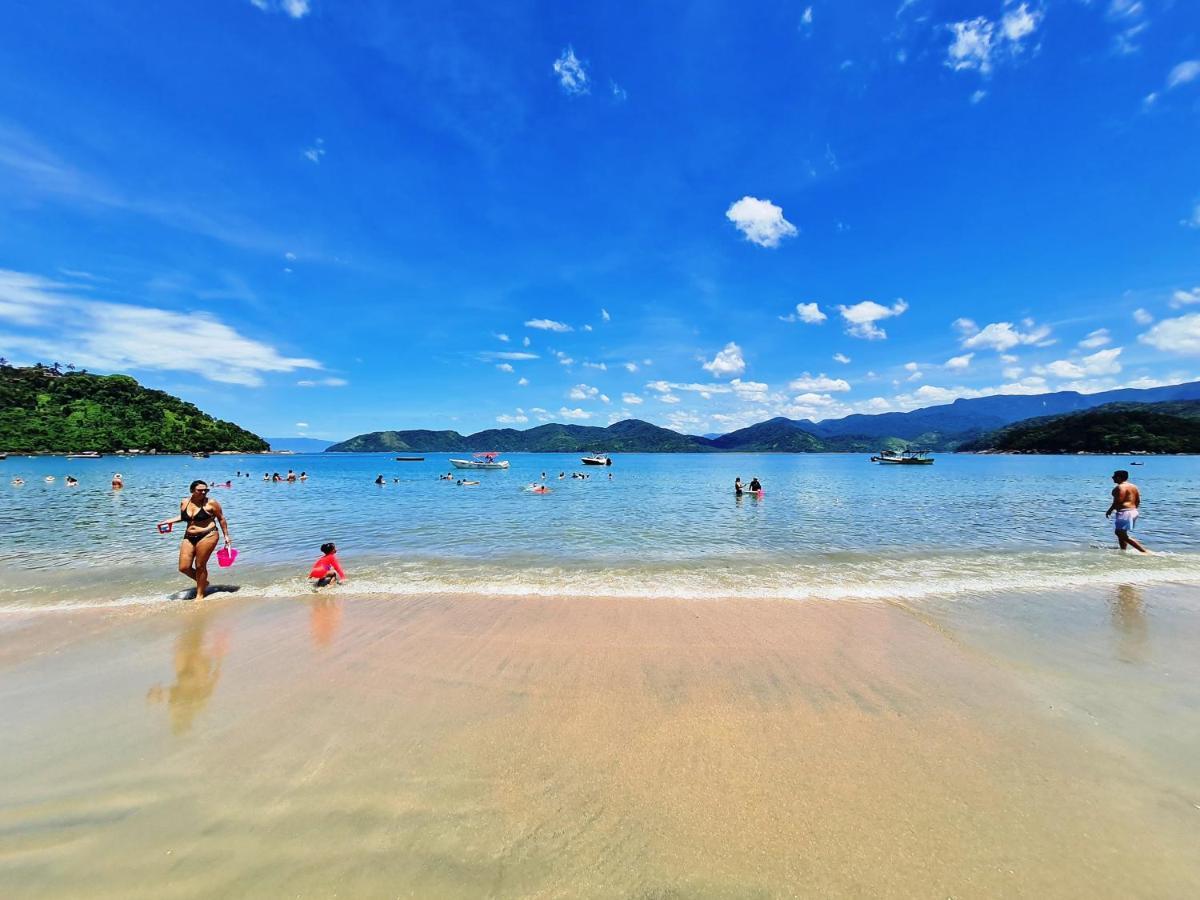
(322, 382)
(515, 355)
(316, 152)
(295, 9)
(572, 75)
(981, 43)
(123, 337)
(548, 325)
(761, 221)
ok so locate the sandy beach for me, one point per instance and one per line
(474, 746)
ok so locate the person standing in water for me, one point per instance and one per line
(202, 516)
(737, 486)
(1126, 503)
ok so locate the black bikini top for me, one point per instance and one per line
(200, 517)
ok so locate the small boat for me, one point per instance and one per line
(904, 458)
(410, 459)
(87, 454)
(200, 455)
(3, 456)
(480, 461)
(597, 459)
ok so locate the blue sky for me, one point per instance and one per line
(327, 218)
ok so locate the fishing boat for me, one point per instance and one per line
(410, 459)
(903, 458)
(86, 454)
(597, 459)
(480, 461)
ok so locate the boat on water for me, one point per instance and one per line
(410, 459)
(86, 454)
(480, 461)
(903, 458)
(597, 459)
(200, 455)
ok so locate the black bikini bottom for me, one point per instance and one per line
(197, 538)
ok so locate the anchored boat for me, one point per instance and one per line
(87, 454)
(481, 461)
(597, 459)
(903, 458)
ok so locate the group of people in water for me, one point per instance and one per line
(205, 525)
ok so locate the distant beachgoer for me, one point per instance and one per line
(304, 476)
(543, 476)
(381, 480)
(239, 473)
(562, 474)
(117, 480)
(276, 477)
(72, 481)
(737, 486)
(327, 569)
(1126, 503)
(610, 476)
(754, 484)
(203, 516)
(291, 476)
(48, 478)
(266, 477)
(17, 482)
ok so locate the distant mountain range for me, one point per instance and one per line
(1171, 427)
(946, 427)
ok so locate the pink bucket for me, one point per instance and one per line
(226, 556)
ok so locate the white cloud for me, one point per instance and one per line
(1185, 298)
(668, 398)
(604, 316)
(587, 328)
(301, 424)
(296, 9)
(977, 96)
(503, 338)
(563, 358)
(515, 355)
(809, 313)
(619, 94)
(861, 318)
(582, 392)
(122, 337)
(604, 398)
(965, 326)
(504, 367)
(979, 43)
(316, 151)
(631, 399)
(822, 382)
(1097, 338)
(525, 341)
(1183, 73)
(1004, 336)
(516, 418)
(959, 362)
(1193, 221)
(574, 413)
(1142, 317)
(322, 382)
(572, 76)
(728, 362)
(841, 358)
(761, 221)
(548, 325)
(600, 367)
(662, 387)
(631, 367)
(750, 391)
(523, 381)
(1103, 362)
(1180, 335)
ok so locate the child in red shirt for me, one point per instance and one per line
(327, 569)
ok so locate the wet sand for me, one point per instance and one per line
(473, 747)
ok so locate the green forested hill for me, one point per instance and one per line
(1171, 427)
(631, 435)
(42, 411)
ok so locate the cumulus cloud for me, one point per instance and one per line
(122, 337)
(1002, 336)
(841, 358)
(1097, 338)
(630, 366)
(1179, 335)
(959, 362)
(809, 313)
(1185, 298)
(548, 325)
(668, 398)
(504, 367)
(727, 362)
(572, 75)
(1142, 316)
(523, 381)
(582, 392)
(563, 358)
(861, 318)
(574, 413)
(516, 418)
(761, 221)
(1103, 362)
(822, 382)
(631, 399)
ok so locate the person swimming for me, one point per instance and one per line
(17, 482)
(381, 480)
(117, 480)
(327, 569)
(304, 476)
(72, 481)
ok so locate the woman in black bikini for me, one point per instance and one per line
(200, 537)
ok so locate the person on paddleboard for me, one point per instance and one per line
(203, 518)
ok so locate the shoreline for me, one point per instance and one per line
(538, 747)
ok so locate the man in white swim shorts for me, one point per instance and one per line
(1126, 500)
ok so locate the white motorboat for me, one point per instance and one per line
(87, 454)
(480, 461)
(597, 459)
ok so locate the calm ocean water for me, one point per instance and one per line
(829, 526)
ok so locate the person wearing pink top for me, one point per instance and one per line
(327, 569)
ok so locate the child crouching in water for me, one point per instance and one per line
(327, 569)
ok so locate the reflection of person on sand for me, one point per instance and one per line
(324, 621)
(1126, 503)
(197, 669)
(200, 537)
(1129, 620)
(327, 569)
